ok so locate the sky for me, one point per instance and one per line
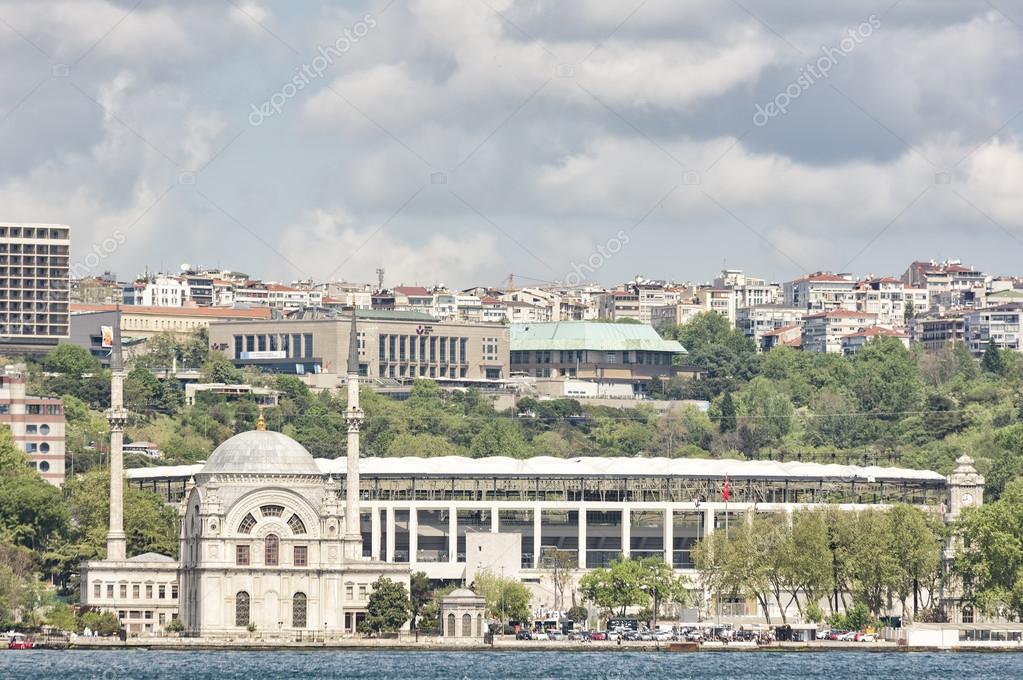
(459, 141)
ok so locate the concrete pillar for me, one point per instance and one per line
(494, 525)
(537, 534)
(669, 536)
(626, 531)
(708, 521)
(452, 535)
(582, 538)
(413, 535)
(390, 534)
(374, 523)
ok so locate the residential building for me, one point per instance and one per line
(854, 342)
(37, 424)
(721, 301)
(35, 286)
(949, 284)
(395, 345)
(616, 305)
(759, 319)
(821, 291)
(632, 354)
(143, 322)
(749, 291)
(884, 297)
(823, 331)
(1000, 324)
(785, 336)
(156, 291)
(937, 332)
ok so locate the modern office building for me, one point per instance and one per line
(402, 346)
(35, 286)
(37, 424)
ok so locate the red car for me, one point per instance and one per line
(598, 635)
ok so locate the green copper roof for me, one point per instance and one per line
(590, 335)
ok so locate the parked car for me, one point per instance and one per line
(824, 635)
(598, 635)
(614, 635)
(664, 636)
(848, 637)
(866, 637)
(836, 634)
(555, 635)
(524, 635)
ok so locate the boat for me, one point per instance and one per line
(19, 641)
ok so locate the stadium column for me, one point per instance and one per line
(390, 534)
(708, 521)
(669, 536)
(413, 535)
(374, 523)
(582, 538)
(626, 532)
(452, 534)
(494, 526)
(537, 534)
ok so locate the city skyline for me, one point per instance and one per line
(482, 139)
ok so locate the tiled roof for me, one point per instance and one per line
(212, 312)
(840, 314)
(417, 291)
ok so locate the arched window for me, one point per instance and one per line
(271, 510)
(466, 625)
(967, 614)
(479, 625)
(272, 550)
(241, 609)
(451, 625)
(247, 523)
(298, 610)
(296, 524)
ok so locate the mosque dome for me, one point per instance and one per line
(261, 452)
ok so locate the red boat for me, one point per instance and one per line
(20, 642)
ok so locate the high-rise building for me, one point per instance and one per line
(34, 286)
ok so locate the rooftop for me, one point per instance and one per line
(575, 335)
(211, 312)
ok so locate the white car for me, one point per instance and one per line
(664, 636)
(848, 637)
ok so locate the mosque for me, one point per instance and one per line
(267, 542)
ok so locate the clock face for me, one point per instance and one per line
(967, 498)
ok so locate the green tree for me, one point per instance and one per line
(507, 599)
(727, 420)
(420, 593)
(990, 561)
(992, 360)
(499, 437)
(70, 360)
(218, 369)
(916, 542)
(388, 608)
(659, 581)
(885, 379)
(615, 588)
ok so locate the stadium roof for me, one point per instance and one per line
(569, 335)
(545, 466)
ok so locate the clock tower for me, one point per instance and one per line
(965, 487)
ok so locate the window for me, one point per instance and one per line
(349, 591)
(298, 611)
(174, 591)
(301, 556)
(362, 591)
(95, 589)
(451, 625)
(123, 590)
(31, 429)
(44, 466)
(466, 625)
(241, 609)
(135, 588)
(271, 510)
(149, 591)
(162, 591)
(297, 527)
(110, 590)
(246, 526)
(967, 614)
(242, 556)
(271, 550)
(44, 447)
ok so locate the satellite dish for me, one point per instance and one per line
(185, 267)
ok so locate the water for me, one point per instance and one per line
(118, 665)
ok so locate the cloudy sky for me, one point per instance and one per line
(458, 141)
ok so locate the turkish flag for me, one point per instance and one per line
(726, 492)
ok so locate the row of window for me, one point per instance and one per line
(419, 347)
(403, 371)
(160, 590)
(271, 553)
(580, 356)
(295, 522)
(292, 344)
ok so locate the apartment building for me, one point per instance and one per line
(949, 284)
(938, 331)
(37, 424)
(854, 342)
(395, 345)
(823, 331)
(721, 301)
(35, 286)
(616, 305)
(156, 291)
(884, 297)
(821, 291)
(757, 320)
(749, 291)
(1000, 324)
